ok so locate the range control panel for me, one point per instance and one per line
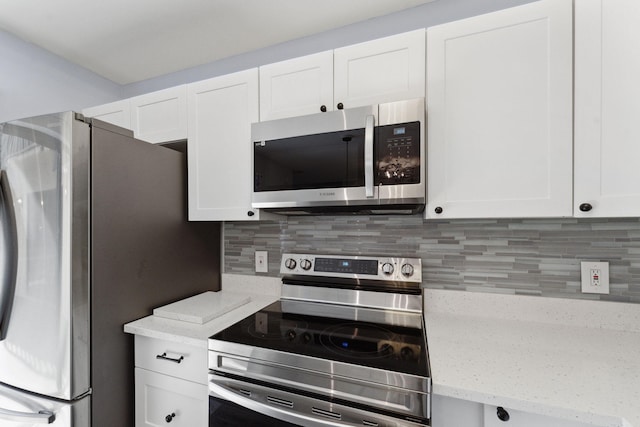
(366, 267)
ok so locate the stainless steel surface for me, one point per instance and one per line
(379, 300)
(254, 361)
(402, 394)
(403, 198)
(304, 388)
(37, 352)
(308, 412)
(20, 409)
(368, 155)
(395, 275)
(331, 121)
(99, 216)
(399, 316)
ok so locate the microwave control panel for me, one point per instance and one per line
(397, 154)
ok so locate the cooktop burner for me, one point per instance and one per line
(363, 343)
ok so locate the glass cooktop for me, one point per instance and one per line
(384, 346)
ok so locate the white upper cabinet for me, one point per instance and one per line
(117, 113)
(499, 108)
(160, 116)
(381, 70)
(220, 173)
(297, 86)
(607, 105)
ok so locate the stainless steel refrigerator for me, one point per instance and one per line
(93, 234)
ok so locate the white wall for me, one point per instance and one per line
(34, 81)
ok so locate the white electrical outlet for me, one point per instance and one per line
(595, 277)
(262, 263)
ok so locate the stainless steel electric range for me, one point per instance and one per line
(344, 346)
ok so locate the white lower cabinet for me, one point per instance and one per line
(495, 416)
(451, 412)
(170, 384)
(165, 400)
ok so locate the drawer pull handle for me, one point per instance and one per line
(170, 417)
(164, 356)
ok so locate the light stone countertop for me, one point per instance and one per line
(536, 355)
(532, 354)
(261, 290)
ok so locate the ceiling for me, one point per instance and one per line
(132, 40)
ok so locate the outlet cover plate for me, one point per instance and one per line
(262, 263)
(588, 286)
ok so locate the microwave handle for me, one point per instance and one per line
(368, 155)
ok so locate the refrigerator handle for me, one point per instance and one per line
(9, 276)
(40, 417)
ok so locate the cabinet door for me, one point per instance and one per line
(607, 105)
(499, 107)
(164, 400)
(382, 70)
(220, 173)
(297, 86)
(160, 116)
(117, 113)
(523, 419)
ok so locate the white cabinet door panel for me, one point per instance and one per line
(220, 171)
(525, 419)
(117, 113)
(382, 70)
(499, 107)
(297, 86)
(164, 400)
(160, 116)
(607, 105)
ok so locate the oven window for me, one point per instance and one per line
(223, 413)
(328, 160)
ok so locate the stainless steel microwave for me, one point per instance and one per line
(366, 159)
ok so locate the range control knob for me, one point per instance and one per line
(387, 268)
(290, 263)
(407, 270)
(305, 264)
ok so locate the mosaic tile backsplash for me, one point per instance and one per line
(530, 257)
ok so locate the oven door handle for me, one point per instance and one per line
(271, 411)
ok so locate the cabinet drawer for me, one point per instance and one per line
(171, 358)
(161, 399)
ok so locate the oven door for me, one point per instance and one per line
(223, 413)
(233, 399)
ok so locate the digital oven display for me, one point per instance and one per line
(353, 266)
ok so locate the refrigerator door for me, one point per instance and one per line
(43, 294)
(18, 409)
